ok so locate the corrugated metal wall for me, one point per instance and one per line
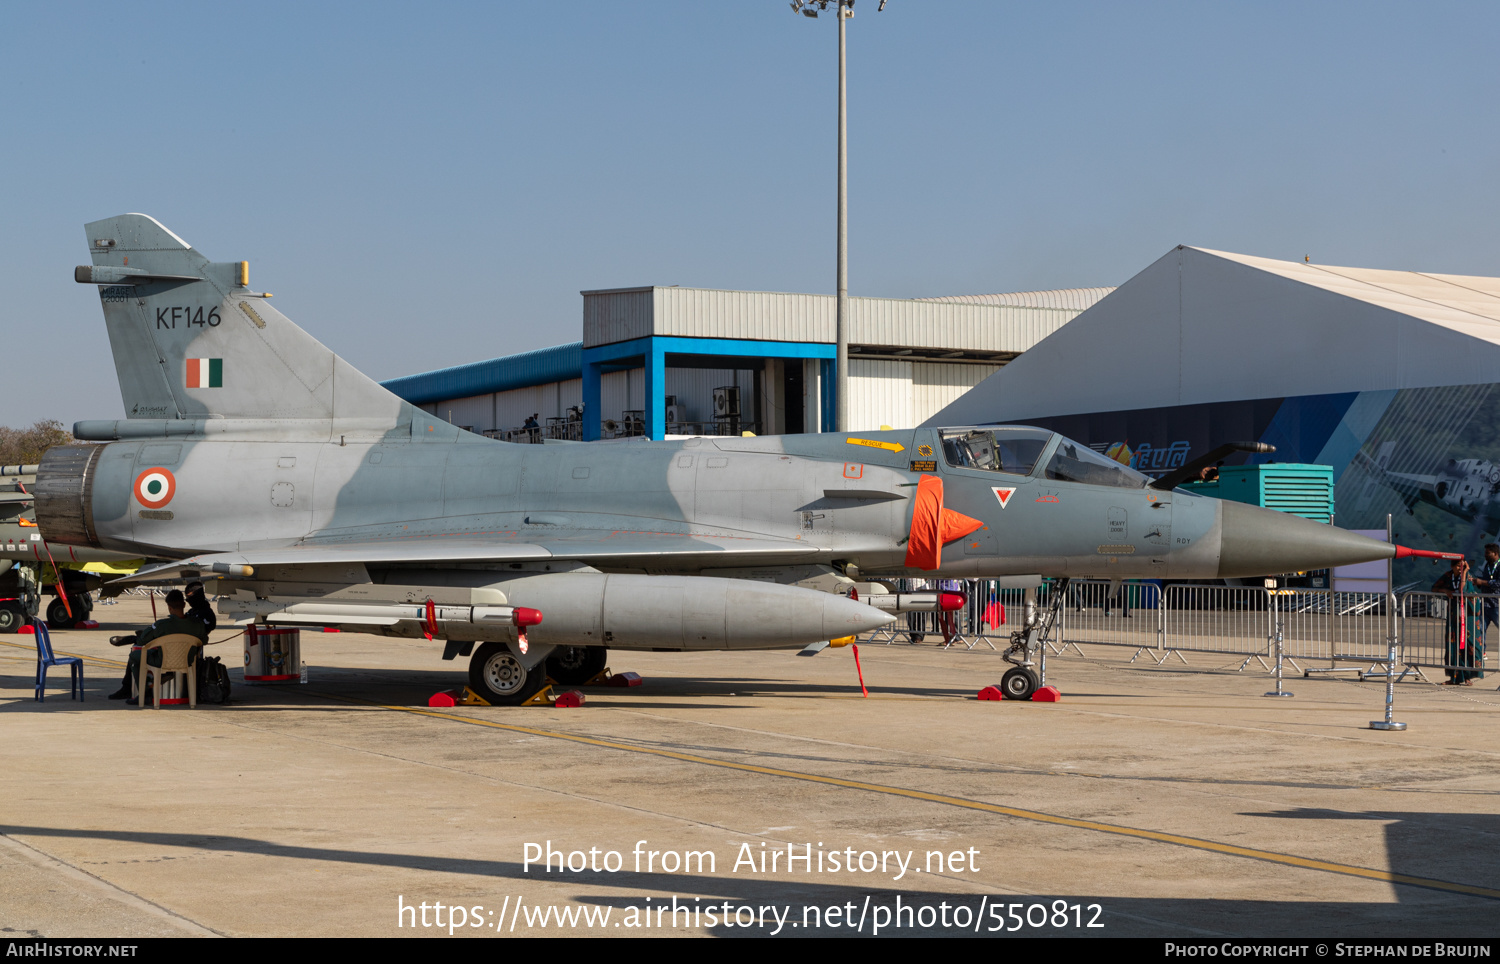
(472, 413)
(903, 394)
(506, 410)
(615, 316)
(925, 324)
(619, 391)
(611, 316)
(758, 315)
(694, 388)
(935, 386)
(1075, 299)
(547, 401)
(879, 394)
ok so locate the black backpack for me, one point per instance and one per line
(213, 680)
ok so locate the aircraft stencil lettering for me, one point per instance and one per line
(386, 519)
(169, 317)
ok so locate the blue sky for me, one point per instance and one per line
(423, 185)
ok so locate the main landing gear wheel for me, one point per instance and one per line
(576, 665)
(1019, 683)
(57, 613)
(497, 675)
(12, 617)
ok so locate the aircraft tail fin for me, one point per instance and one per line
(191, 340)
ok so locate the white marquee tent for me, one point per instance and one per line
(1208, 326)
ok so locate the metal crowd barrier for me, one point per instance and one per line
(1323, 625)
(1438, 633)
(1236, 620)
(1346, 631)
(1096, 612)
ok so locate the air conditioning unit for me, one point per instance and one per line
(675, 414)
(727, 402)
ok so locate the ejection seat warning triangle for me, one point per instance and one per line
(1003, 493)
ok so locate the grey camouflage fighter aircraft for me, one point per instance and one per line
(254, 454)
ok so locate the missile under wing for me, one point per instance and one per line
(254, 454)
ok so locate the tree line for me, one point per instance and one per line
(24, 446)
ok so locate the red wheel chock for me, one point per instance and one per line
(1043, 694)
(457, 697)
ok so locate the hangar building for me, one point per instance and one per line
(658, 360)
(1390, 377)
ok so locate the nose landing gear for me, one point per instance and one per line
(1019, 683)
(1022, 682)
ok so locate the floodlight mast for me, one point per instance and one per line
(844, 10)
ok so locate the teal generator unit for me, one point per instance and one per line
(1304, 490)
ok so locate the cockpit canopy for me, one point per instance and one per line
(1014, 451)
(1019, 451)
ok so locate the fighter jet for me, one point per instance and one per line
(255, 455)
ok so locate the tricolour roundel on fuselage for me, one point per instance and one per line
(154, 488)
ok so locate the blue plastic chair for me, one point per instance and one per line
(45, 658)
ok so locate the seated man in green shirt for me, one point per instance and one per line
(176, 622)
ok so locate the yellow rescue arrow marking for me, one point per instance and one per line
(889, 446)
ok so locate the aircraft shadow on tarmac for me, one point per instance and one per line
(1447, 916)
(408, 687)
(1460, 847)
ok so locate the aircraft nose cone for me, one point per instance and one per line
(1264, 542)
(845, 617)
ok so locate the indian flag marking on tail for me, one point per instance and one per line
(205, 373)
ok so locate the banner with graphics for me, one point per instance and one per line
(1428, 456)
